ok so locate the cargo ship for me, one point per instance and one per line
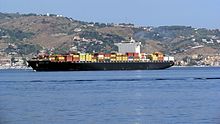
(128, 57)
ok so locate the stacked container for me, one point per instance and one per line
(130, 56)
(168, 58)
(107, 57)
(136, 57)
(118, 57)
(76, 58)
(60, 58)
(124, 58)
(88, 57)
(94, 59)
(159, 55)
(143, 56)
(113, 57)
(52, 58)
(154, 57)
(69, 58)
(100, 57)
(82, 57)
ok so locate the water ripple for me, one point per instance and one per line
(113, 80)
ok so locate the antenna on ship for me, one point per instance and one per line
(132, 40)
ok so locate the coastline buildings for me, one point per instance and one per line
(12, 62)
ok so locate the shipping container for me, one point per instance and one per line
(61, 58)
(82, 57)
(113, 59)
(136, 54)
(168, 58)
(52, 58)
(94, 59)
(107, 55)
(118, 58)
(101, 60)
(75, 55)
(107, 60)
(160, 58)
(76, 59)
(119, 54)
(125, 58)
(113, 55)
(158, 54)
(130, 54)
(154, 57)
(100, 56)
(89, 57)
(69, 58)
(171, 58)
(130, 59)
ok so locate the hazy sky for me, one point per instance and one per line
(196, 13)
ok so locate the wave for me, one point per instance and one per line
(113, 80)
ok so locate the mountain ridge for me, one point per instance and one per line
(32, 33)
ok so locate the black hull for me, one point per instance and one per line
(91, 66)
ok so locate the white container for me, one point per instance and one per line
(171, 58)
(166, 58)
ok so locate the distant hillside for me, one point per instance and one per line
(28, 34)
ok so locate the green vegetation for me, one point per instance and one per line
(9, 15)
(15, 35)
(99, 37)
(26, 49)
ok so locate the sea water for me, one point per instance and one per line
(171, 96)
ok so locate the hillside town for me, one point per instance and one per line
(23, 36)
(16, 62)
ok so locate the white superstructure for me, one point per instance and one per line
(129, 46)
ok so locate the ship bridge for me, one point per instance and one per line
(129, 46)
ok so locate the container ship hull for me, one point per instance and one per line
(95, 66)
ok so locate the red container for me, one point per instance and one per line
(160, 58)
(136, 54)
(69, 58)
(136, 57)
(130, 54)
(107, 55)
(76, 59)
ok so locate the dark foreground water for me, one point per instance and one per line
(173, 96)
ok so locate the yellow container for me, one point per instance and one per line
(124, 58)
(75, 56)
(113, 55)
(94, 60)
(136, 60)
(61, 58)
(113, 60)
(52, 58)
(82, 57)
(88, 57)
(154, 57)
(119, 58)
(119, 54)
(158, 54)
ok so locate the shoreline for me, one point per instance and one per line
(29, 68)
(15, 68)
(193, 66)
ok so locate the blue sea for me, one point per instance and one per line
(189, 95)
